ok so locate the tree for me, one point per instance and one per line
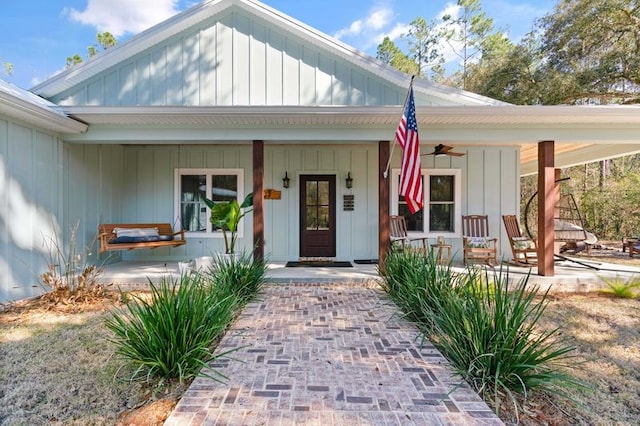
(105, 41)
(593, 51)
(391, 54)
(423, 39)
(468, 33)
(8, 67)
(508, 72)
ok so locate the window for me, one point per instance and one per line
(441, 212)
(192, 185)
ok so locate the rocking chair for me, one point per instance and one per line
(477, 244)
(400, 239)
(525, 251)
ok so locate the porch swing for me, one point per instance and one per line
(568, 222)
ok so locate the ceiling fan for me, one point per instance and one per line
(441, 150)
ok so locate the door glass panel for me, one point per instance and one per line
(323, 190)
(323, 217)
(317, 205)
(312, 193)
(312, 219)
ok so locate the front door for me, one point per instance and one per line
(317, 216)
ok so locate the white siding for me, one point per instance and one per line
(148, 192)
(30, 206)
(357, 230)
(490, 185)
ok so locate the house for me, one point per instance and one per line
(232, 96)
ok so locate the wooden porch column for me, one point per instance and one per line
(384, 244)
(258, 200)
(546, 207)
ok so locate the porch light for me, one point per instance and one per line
(349, 181)
(285, 180)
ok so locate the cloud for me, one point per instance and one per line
(123, 16)
(377, 19)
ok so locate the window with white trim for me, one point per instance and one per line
(442, 201)
(192, 185)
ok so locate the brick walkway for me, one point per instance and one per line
(329, 354)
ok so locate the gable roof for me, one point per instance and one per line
(212, 9)
(22, 105)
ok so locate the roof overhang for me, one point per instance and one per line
(19, 107)
(505, 116)
(582, 133)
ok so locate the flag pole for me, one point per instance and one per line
(406, 98)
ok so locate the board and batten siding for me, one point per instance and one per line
(93, 185)
(31, 206)
(357, 230)
(490, 186)
(148, 193)
(236, 60)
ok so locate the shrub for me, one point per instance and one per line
(485, 327)
(240, 276)
(172, 334)
(618, 287)
(69, 276)
(488, 332)
(414, 282)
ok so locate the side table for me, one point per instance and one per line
(440, 256)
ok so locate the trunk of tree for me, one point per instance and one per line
(605, 166)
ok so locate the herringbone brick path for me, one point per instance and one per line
(329, 354)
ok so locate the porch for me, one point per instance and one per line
(570, 276)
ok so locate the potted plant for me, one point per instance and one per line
(226, 215)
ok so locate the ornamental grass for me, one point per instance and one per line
(484, 324)
(172, 334)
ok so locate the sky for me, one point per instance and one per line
(37, 36)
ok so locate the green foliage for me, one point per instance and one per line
(391, 54)
(8, 68)
(173, 334)
(485, 326)
(489, 334)
(242, 277)
(105, 41)
(423, 38)
(407, 277)
(619, 287)
(470, 30)
(226, 215)
(591, 45)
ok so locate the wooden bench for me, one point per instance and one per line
(107, 236)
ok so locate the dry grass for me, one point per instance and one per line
(606, 332)
(56, 365)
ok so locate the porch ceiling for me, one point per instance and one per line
(582, 133)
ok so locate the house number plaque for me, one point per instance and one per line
(348, 202)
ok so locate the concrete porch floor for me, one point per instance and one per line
(569, 276)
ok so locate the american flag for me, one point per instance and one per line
(410, 173)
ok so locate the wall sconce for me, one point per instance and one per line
(285, 180)
(349, 181)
